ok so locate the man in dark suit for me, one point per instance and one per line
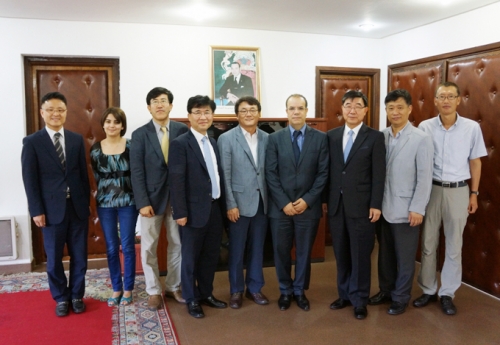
(149, 167)
(197, 204)
(296, 173)
(243, 154)
(236, 85)
(356, 189)
(57, 186)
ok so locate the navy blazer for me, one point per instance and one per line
(46, 181)
(149, 172)
(190, 186)
(289, 181)
(360, 180)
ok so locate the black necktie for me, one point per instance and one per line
(295, 145)
(59, 149)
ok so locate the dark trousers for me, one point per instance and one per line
(396, 258)
(200, 249)
(109, 218)
(73, 232)
(249, 232)
(284, 231)
(353, 241)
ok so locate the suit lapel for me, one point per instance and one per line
(154, 142)
(240, 138)
(305, 144)
(51, 149)
(403, 139)
(261, 150)
(362, 135)
(286, 143)
(193, 144)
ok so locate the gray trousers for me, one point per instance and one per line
(448, 205)
(150, 233)
(398, 244)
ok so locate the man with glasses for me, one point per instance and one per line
(296, 173)
(197, 205)
(458, 148)
(57, 186)
(357, 176)
(149, 165)
(243, 151)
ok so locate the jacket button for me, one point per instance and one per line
(343, 172)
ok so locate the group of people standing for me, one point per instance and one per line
(377, 184)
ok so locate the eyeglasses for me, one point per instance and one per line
(52, 111)
(249, 111)
(449, 97)
(350, 107)
(156, 102)
(200, 114)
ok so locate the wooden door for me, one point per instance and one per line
(331, 85)
(90, 86)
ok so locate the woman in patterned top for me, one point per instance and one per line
(115, 202)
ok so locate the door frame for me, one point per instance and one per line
(374, 97)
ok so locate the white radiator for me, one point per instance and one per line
(8, 236)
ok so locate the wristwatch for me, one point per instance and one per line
(474, 192)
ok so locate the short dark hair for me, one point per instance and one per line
(448, 84)
(394, 95)
(295, 95)
(157, 91)
(119, 115)
(53, 95)
(351, 94)
(200, 101)
(248, 99)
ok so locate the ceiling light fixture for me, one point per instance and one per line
(367, 27)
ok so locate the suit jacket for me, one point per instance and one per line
(408, 179)
(360, 180)
(46, 181)
(289, 181)
(244, 180)
(149, 172)
(243, 88)
(190, 184)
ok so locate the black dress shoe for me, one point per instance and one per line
(195, 310)
(78, 306)
(423, 300)
(380, 298)
(396, 308)
(360, 313)
(448, 306)
(302, 302)
(213, 302)
(62, 308)
(284, 302)
(340, 303)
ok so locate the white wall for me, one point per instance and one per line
(177, 57)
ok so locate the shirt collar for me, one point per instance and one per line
(158, 127)
(198, 135)
(302, 130)
(355, 129)
(459, 119)
(247, 134)
(400, 132)
(51, 132)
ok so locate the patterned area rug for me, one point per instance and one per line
(132, 325)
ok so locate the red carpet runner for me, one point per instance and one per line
(29, 318)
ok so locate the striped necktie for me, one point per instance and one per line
(59, 149)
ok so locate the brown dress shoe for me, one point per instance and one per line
(236, 300)
(257, 297)
(154, 302)
(177, 295)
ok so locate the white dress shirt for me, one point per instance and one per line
(198, 137)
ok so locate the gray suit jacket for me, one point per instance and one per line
(148, 168)
(409, 174)
(288, 181)
(244, 180)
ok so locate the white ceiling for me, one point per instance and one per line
(331, 17)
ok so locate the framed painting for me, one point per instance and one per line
(235, 73)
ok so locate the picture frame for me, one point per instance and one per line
(225, 62)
